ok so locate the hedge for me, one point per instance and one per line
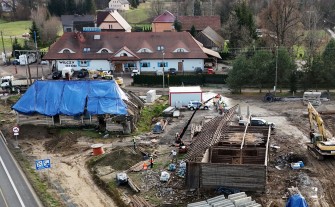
(177, 80)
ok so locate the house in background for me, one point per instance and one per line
(200, 23)
(121, 5)
(111, 20)
(150, 52)
(76, 22)
(164, 22)
(210, 39)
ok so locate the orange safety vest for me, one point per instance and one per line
(145, 166)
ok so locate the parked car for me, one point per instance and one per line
(159, 72)
(16, 62)
(192, 105)
(57, 75)
(198, 70)
(82, 73)
(210, 71)
(44, 62)
(257, 122)
(172, 71)
(134, 72)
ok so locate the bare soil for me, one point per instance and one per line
(70, 178)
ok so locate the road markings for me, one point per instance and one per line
(4, 199)
(11, 182)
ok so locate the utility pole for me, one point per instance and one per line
(276, 78)
(3, 47)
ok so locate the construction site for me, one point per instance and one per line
(220, 162)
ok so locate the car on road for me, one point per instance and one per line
(254, 121)
(192, 105)
(56, 75)
(82, 73)
(210, 71)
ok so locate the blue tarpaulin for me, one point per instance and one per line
(296, 200)
(72, 98)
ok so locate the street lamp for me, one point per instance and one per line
(163, 68)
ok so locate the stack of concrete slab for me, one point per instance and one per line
(234, 200)
(242, 200)
(151, 96)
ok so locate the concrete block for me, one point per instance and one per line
(236, 194)
(151, 96)
(241, 201)
(196, 204)
(217, 198)
(247, 204)
(223, 203)
(238, 197)
(255, 205)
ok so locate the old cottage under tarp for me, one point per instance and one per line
(77, 102)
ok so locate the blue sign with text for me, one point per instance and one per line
(42, 164)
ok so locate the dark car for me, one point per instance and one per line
(198, 70)
(82, 73)
(16, 62)
(172, 71)
(57, 75)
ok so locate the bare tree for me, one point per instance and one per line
(282, 20)
(39, 16)
(51, 28)
(157, 7)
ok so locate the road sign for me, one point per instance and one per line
(16, 134)
(16, 129)
(42, 164)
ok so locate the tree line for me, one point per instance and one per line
(277, 66)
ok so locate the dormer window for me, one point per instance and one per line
(124, 54)
(144, 50)
(180, 50)
(66, 50)
(104, 50)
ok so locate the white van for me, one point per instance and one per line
(68, 70)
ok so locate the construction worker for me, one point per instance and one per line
(174, 155)
(177, 137)
(134, 142)
(151, 160)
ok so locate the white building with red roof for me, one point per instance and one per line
(122, 51)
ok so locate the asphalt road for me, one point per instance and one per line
(15, 191)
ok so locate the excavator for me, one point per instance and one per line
(321, 144)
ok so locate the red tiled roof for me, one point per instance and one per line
(165, 17)
(101, 16)
(200, 22)
(133, 41)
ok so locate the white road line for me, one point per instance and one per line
(11, 182)
(3, 198)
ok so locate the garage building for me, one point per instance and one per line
(181, 96)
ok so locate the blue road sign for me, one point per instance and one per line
(42, 164)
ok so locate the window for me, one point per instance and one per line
(162, 64)
(144, 50)
(145, 64)
(66, 51)
(160, 48)
(123, 54)
(87, 49)
(180, 50)
(104, 51)
(84, 63)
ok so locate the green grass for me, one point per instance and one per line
(11, 30)
(138, 15)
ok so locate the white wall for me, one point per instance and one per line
(189, 65)
(184, 98)
(92, 64)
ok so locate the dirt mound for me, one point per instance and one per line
(62, 145)
(121, 159)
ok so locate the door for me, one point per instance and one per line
(180, 66)
(118, 68)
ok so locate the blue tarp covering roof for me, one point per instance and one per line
(296, 200)
(71, 98)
